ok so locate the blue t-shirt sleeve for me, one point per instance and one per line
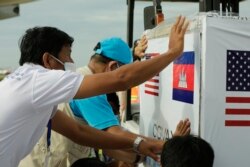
(96, 111)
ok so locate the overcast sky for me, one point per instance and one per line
(88, 21)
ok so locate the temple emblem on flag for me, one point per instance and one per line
(183, 78)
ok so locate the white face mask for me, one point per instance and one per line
(68, 66)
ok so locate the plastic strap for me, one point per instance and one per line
(48, 144)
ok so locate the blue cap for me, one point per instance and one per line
(115, 49)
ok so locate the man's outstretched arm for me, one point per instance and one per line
(88, 136)
(129, 156)
(136, 73)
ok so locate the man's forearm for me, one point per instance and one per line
(124, 77)
(138, 72)
(99, 139)
(88, 136)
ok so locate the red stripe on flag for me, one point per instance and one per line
(151, 93)
(153, 80)
(230, 111)
(237, 123)
(238, 99)
(151, 86)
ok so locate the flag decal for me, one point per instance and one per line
(152, 85)
(237, 102)
(183, 78)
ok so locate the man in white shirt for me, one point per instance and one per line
(30, 95)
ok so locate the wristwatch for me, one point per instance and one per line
(137, 142)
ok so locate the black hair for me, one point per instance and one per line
(100, 58)
(88, 162)
(187, 151)
(38, 40)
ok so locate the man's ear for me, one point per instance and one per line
(46, 60)
(112, 65)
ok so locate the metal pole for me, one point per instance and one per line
(216, 5)
(130, 25)
(227, 5)
(205, 5)
(235, 6)
(159, 17)
(130, 22)
(224, 5)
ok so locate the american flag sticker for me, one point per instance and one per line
(152, 85)
(237, 88)
(183, 78)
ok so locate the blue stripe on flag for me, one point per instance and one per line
(185, 58)
(183, 95)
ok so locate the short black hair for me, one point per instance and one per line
(38, 40)
(88, 162)
(187, 151)
(100, 58)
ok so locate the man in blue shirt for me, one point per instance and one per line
(109, 55)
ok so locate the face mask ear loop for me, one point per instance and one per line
(59, 61)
